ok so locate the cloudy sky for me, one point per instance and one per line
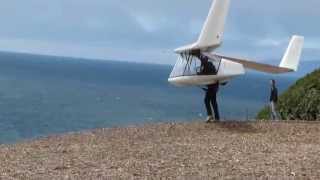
(149, 30)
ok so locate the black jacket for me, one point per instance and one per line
(274, 95)
(208, 68)
(212, 88)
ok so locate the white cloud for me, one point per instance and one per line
(149, 23)
(270, 42)
(140, 30)
(313, 43)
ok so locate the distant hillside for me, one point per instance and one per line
(300, 101)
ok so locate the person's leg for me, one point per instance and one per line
(270, 108)
(273, 111)
(207, 104)
(277, 115)
(215, 107)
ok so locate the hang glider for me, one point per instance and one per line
(187, 71)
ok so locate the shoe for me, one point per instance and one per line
(209, 119)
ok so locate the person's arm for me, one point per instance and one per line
(200, 72)
(224, 83)
(205, 89)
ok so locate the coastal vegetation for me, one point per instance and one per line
(300, 101)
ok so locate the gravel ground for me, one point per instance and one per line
(262, 150)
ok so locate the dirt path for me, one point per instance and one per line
(174, 151)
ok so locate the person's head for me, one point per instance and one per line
(273, 83)
(205, 59)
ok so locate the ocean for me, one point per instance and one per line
(45, 95)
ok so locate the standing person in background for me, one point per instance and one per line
(273, 100)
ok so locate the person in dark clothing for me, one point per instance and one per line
(273, 100)
(207, 68)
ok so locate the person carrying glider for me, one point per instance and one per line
(207, 68)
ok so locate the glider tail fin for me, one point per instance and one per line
(291, 58)
(212, 31)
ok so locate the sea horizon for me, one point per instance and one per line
(42, 95)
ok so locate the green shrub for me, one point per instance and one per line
(300, 102)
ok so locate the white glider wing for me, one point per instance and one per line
(289, 62)
(249, 64)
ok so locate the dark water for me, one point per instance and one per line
(41, 95)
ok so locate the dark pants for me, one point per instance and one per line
(211, 100)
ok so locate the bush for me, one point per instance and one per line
(300, 102)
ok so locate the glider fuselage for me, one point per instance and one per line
(186, 72)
